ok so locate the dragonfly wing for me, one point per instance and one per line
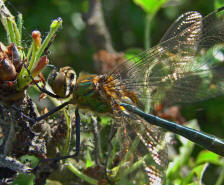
(143, 152)
(184, 21)
(175, 68)
(171, 72)
(152, 149)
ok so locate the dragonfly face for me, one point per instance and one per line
(177, 70)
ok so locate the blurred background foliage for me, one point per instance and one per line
(126, 22)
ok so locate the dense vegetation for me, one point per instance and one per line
(133, 26)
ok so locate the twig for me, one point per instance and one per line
(96, 140)
(10, 138)
(96, 27)
(13, 164)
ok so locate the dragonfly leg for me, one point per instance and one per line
(41, 88)
(77, 145)
(33, 120)
(52, 111)
(77, 132)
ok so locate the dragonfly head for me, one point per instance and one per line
(63, 81)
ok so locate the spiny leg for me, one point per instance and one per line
(41, 88)
(77, 129)
(77, 143)
(43, 116)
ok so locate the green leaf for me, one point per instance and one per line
(31, 158)
(207, 156)
(218, 3)
(52, 182)
(131, 54)
(24, 179)
(81, 175)
(105, 120)
(198, 171)
(150, 6)
(89, 161)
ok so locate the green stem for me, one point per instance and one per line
(17, 33)
(23, 78)
(147, 31)
(68, 134)
(20, 26)
(33, 56)
(147, 41)
(5, 13)
(53, 28)
(139, 164)
(11, 30)
(81, 175)
(30, 52)
(23, 70)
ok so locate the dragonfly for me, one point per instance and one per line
(177, 70)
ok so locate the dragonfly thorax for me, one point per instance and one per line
(113, 91)
(100, 93)
(88, 94)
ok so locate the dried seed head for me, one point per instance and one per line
(7, 70)
(15, 57)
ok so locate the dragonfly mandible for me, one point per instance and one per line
(172, 72)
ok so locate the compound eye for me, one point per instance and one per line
(62, 82)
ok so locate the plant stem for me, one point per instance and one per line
(23, 77)
(147, 31)
(20, 26)
(81, 175)
(12, 37)
(68, 134)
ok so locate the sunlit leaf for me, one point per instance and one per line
(89, 161)
(218, 3)
(130, 53)
(31, 159)
(197, 172)
(207, 156)
(150, 6)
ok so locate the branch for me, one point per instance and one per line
(96, 27)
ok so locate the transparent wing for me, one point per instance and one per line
(178, 69)
(142, 154)
(184, 21)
